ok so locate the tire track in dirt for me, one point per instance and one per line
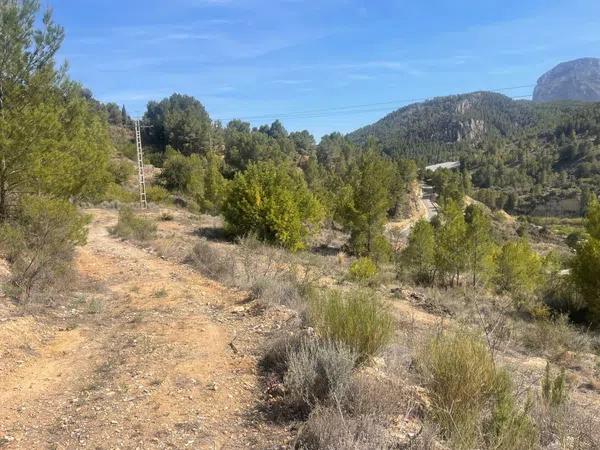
(154, 369)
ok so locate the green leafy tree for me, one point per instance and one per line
(451, 242)
(419, 254)
(244, 147)
(51, 139)
(405, 172)
(273, 202)
(366, 203)
(215, 185)
(478, 242)
(178, 171)
(179, 121)
(518, 269)
(592, 222)
(199, 177)
(585, 266)
(115, 116)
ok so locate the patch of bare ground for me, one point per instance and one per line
(155, 356)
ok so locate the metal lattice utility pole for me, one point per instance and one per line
(140, 158)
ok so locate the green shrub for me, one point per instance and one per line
(131, 226)
(461, 377)
(39, 243)
(363, 269)
(157, 194)
(115, 192)
(317, 372)
(274, 203)
(120, 171)
(360, 320)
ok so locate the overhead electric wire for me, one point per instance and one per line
(362, 108)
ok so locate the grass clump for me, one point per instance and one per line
(472, 401)
(359, 320)
(131, 226)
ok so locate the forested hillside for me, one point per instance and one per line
(543, 153)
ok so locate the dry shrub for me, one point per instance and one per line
(318, 372)
(212, 262)
(554, 336)
(39, 245)
(277, 291)
(275, 355)
(381, 397)
(358, 319)
(328, 429)
(131, 226)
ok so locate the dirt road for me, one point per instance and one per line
(145, 361)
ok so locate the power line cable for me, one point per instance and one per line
(360, 108)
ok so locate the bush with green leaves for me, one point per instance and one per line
(360, 320)
(39, 243)
(157, 194)
(120, 170)
(132, 226)
(363, 269)
(116, 192)
(274, 203)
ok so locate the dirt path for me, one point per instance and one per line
(148, 365)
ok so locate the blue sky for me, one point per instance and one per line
(261, 60)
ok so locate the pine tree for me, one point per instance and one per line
(51, 141)
(419, 254)
(479, 242)
(451, 254)
(585, 265)
(366, 205)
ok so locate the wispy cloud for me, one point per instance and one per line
(291, 82)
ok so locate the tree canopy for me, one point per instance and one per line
(51, 140)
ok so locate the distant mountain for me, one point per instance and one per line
(573, 80)
(449, 120)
